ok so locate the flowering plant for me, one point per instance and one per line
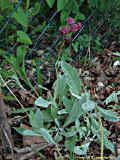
(66, 31)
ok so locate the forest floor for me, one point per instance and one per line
(100, 75)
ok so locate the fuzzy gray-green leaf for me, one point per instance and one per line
(42, 102)
(46, 136)
(39, 118)
(76, 111)
(72, 78)
(108, 115)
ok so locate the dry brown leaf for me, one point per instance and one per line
(23, 94)
(28, 140)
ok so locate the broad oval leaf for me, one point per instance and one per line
(21, 17)
(76, 111)
(108, 115)
(39, 118)
(88, 106)
(68, 103)
(42, 102)
(81, 150)
(72, 78)
(46, 136)
(59, 86)
(23, 37)
(32, 120)
(26, 132)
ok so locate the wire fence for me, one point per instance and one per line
(106, 27)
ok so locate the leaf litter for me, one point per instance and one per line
(101, 79)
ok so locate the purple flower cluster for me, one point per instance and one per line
(73, 28)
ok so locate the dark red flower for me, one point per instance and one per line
(70, 21)
(74, 28)
(79, 25)
(65, 30)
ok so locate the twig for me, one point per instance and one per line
(5, 129)
(13, 94)
(21, 156)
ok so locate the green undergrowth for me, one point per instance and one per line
(67, 115)
(70, 116)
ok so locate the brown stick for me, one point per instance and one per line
(5, 129)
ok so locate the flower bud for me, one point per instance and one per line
(65, 30)
(74, 28)
(79, 25)
(70, 21)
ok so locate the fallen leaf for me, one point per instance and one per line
(28, 140)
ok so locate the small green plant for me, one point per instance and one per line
(70, 114)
